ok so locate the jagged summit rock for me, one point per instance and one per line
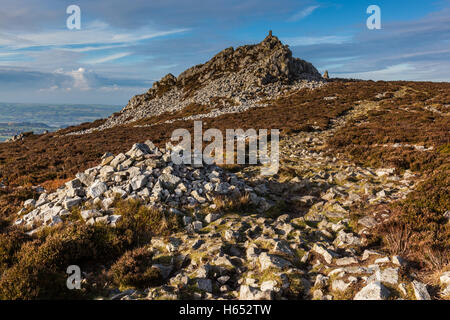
(239, 77)
(273, 62)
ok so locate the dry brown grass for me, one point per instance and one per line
(52, 185)
(232, 205)
(397, 239)
(53, 158)
(417, 227)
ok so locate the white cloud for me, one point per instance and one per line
(303, 14)
(80, 79)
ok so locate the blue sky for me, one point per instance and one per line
(123, 46)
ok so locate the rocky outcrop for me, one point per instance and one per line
(240, 77)
(269, 61)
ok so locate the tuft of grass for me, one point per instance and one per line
(10, 244)
(134, 269)
(39, 268)
(144, 221)
(240, 204)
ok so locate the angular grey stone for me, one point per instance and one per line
(251, 293)
(445, 278)
(325, 253)
(269, 285)
(197, 197)
(97, 189)
(205, 284)
(103, 220)
(211, 217)
(73, 184)
(420, 290)
(270, 261)
(197, 225)
(138, 150)
(118, 160)
(340, 285)
(106, 171)
(85, 179)
(382, 260)
(114, 219)
(282, 247)
(222, 188)
(368, 253)
(321, 281)
(69, 203)
(373, 291)
(30, 203)
(138, 182)
(398, 261)
(231, 235)
(87, 214)
(169, 181)
(388, 275)
(165, 270)
(368, 222)
(348, 239)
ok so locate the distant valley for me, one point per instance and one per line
(16, 118)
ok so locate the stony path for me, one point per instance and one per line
(313, 252)
(302, 241)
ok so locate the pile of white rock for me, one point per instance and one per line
(144, 173)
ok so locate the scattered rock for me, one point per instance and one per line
(271, 261)
(420, 291)
(247, 292)
(373, 291)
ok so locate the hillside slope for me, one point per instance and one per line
(358, 209)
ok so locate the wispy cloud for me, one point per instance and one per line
(92, 48)
(109, 58)
(34, 41)
(303, 13)
(93, 34)
(310, 41)
(394, 72)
